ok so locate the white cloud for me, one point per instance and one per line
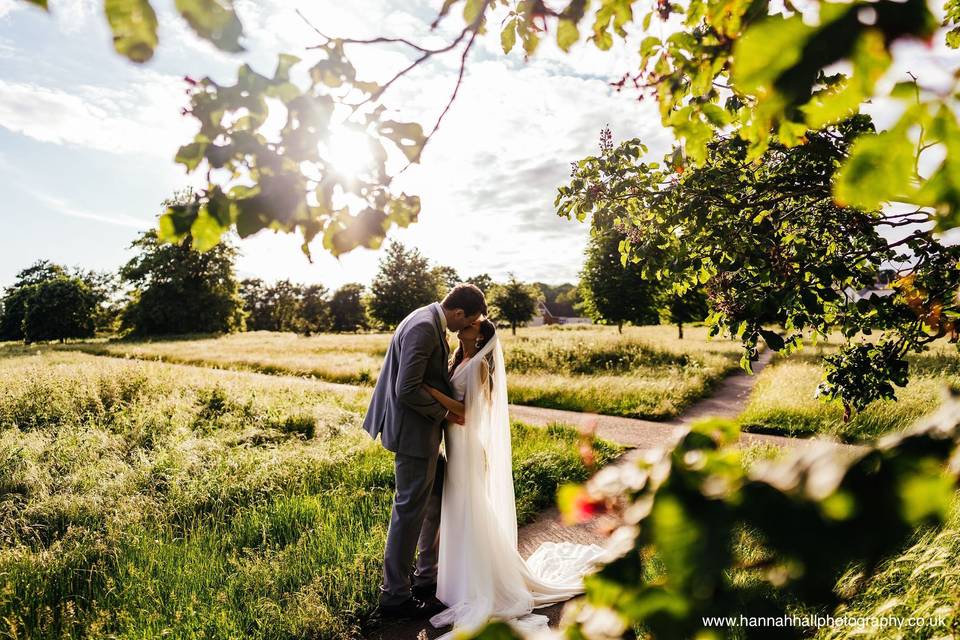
(9, 6)
(73, 16)
(140, 117)
(65, 208)
(489, 177)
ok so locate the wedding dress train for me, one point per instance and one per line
(482, 574)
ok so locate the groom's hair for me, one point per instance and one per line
(467, 297)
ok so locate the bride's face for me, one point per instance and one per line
(468, 335)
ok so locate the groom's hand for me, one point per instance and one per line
(454, 417)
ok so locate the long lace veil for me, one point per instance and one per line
(489, 420)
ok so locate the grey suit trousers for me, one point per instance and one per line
(414, 526)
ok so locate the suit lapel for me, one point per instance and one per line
(443, 339)
(443, 334)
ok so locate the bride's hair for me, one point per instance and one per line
(487, 331)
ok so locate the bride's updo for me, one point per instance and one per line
(487, 331)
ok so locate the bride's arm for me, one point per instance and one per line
(448, 403)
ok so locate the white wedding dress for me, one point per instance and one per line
(482, 575)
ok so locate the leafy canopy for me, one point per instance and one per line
(178, 290)
(514, 302)
(404, 282)
(769, 235)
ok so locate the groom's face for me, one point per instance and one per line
(460, 321)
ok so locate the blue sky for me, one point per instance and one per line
(87, 138)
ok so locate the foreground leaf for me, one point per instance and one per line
(134, 27)
(213, 20)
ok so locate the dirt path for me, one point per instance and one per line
(728, 400)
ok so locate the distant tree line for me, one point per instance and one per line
(616, 293)
(173, 289)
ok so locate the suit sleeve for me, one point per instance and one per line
(415, 352)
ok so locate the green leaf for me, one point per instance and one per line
(285, 62)
(408, 136)
(206, 231)
(718, 116)
(602, 40)
(878, 170)
(767, 49)
(134, 27)
(773, 339)
(213, 20)
(508, 37)
(870, 60)
(190, 155)
(648, 45)
(471, 10)
(40, 3)
(567, 34)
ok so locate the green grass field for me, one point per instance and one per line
(147, 500)
(646, 372)
(783, 400)
(922, 582)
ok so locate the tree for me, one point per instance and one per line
(403, 283)
(59, 308)
(514, 302)
(14, 303)
(483, 282)
(614, 293)
(100, 286)
(680, 308)
(178, 290)
(446, 277)
(285, 300)
(108, 296)
(314, 309)
(771, 236)
(257, 305)
(347, 311)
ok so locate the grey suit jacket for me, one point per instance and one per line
(407, 419)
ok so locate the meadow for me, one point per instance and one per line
(923, 581)
(145, 499)
(784, 399)
(645, 373)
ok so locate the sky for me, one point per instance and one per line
(87, 139)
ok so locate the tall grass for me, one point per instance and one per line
(147, 500)
(784, 402)
(646, 372)
(922, 582)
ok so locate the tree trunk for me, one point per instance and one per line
(513, 328)
(620, 327)
(680, 330)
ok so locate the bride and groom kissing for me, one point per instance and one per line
(456, 513)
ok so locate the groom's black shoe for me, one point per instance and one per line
(425, 591)
(411, 608)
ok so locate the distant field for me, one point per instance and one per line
(142, 499)
(783, 400)
(646, 372)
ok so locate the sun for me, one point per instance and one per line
(348, 151)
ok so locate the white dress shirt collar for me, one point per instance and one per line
(443, 317)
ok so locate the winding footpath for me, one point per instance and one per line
(727, 401)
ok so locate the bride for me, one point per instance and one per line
(481, 573)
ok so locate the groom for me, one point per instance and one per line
(410, 424)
